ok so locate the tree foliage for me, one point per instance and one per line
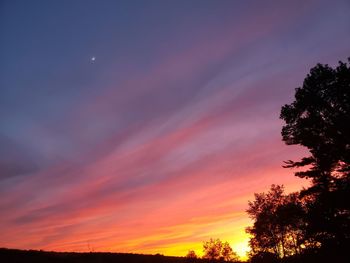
(319, 119)
(191, 254)
(215, 249)
(317, 219)
(278, 223)
(227, 253)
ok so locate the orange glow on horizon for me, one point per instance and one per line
(173, 227)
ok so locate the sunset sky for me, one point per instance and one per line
(146, 126)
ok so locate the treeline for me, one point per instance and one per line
(35, 256)
(312, 225)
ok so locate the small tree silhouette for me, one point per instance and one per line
(191, 256)
(212, 249)
(227, 253)
(215, 249)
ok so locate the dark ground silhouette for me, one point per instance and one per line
(29, 256)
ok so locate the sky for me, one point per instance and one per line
(146, 126)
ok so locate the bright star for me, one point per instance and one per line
(93, 59)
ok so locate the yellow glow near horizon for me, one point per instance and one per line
(242, 248)
(236, 237)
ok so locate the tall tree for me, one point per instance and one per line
(319, 119)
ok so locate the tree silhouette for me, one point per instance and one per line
(227, 254)
(215, 249)
(191, 256)
(212, 249)
(278, 223)
(319, 119)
